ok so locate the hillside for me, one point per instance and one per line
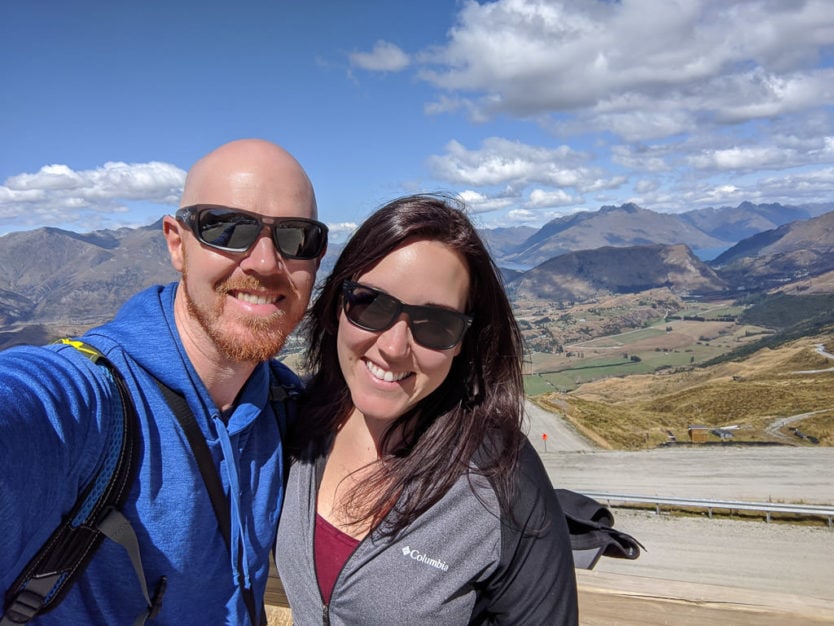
(788, 253)
(745, 220)
(502, 242)
(578, 276)
(52, 276)
(761, 398)
(623, 226)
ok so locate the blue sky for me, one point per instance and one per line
(528, 109)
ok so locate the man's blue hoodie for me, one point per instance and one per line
(57, 409)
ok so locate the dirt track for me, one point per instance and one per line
(744, 554)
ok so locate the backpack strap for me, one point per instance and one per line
(284, 390)
(50, 573)
(284, 387)
(197, 442)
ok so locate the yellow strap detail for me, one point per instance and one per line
(81, 347)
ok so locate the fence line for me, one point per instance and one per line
(768, 508)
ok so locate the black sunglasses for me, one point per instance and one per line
(432, 327)
(234, 230)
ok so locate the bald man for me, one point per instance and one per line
(247, 244)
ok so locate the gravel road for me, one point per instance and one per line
(745, 554)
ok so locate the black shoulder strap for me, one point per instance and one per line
(284, 390)
(202, 454)
(48, 576)
(592, 532)
(199, 448)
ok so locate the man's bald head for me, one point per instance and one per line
(254, 175)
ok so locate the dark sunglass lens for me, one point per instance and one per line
(437, 329)
(298, 240)
(228, 229)
(370, 309)
(290, 241)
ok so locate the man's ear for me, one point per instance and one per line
(172, 229)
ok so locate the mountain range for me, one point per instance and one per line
(57, 276)
(707, 232)
(53, 276)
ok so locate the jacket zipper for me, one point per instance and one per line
(325, 608)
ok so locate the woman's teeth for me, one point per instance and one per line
(381, 374)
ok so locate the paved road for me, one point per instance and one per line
(726, 471)
(771, 473)
(745, 554)
(561, 435)
(756, 555)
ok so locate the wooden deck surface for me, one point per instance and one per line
(615, 599)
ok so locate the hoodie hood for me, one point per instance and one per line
(145, 329)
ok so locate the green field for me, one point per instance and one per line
(616, 356)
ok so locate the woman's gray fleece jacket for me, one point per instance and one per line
(464, 561)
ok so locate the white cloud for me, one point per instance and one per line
(341, 231)
(541, 198)
(523, 216)
(482, 203)
(385, 57)
(812, 186)
(636, 118)
(646, 186)
(676, 104)
(758, 94)
(502, 161)
(678, 96)
(775, 152)
(741, 158)
(541, 56)
(57, 194)
(538, 217)
(641, 157)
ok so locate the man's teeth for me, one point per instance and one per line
(255, 299)
(381, 374)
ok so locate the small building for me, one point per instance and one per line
(698, 433)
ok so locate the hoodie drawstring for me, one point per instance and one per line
(238, 542)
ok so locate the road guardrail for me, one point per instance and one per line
(768, 508)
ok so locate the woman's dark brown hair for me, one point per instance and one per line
(478, 408)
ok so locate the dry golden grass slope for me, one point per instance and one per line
(764, 396)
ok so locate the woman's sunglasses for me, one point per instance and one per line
(234, 230)
(432, 327)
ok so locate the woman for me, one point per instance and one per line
(414, 496)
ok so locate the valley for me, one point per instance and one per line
(681, 377)
(624, 335)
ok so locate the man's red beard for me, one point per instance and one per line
(261, 337)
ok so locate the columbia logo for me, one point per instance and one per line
(422, 558)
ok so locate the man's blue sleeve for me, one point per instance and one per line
(52, 440)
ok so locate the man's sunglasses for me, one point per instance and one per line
(234, 230)
(432, 327)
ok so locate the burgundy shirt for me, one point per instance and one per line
(332, 549)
